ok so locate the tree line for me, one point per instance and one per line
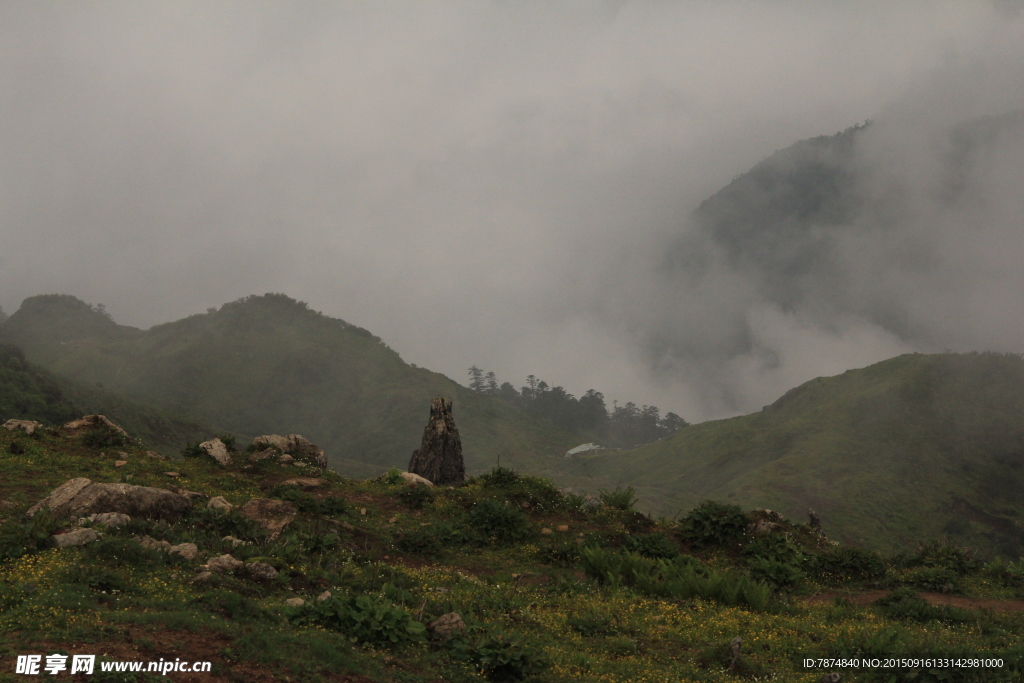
(623, 426)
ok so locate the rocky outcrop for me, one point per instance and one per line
(272, 515)
(92, 422)
(224, 564)
(439, 457)
(295, 445)
(218, 450)
(260, 570)
(27, 426)
(82, 497)
(304, 483)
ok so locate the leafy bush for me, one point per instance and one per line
(592, 622)
(960, 561)
(780, 575)
(842, 564)
(367, 619)
(192, 450)
(774, 548)
(229, 441)
(563, 554)
(102, 436)
(125, 552)
(932, 578)
(905, 604)
(21, 538)
(435, 539)
(416, 496)
(499, 522)
(97, 578)
(619, 499)
(233, 606)
(651, 545)
(713, 524)
(219, 524)
(393, 477)
(501, 658)
(524, 492)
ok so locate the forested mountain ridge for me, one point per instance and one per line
(269, 364)
(912, 448)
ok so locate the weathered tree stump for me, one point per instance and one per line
(439, 457)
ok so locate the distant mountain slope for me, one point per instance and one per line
(28, 392)
(912, 448)
(270, 364)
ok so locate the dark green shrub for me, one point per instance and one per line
(219, 524)
(779, 575)
(308, 503)
(524, 492)
(960, 561)
(416, 496)
(368, 619)
(619, 499)
(501, 658)
(905, 604)
(933, 579)
(125, 552)
(564, 554)
(773, 548)
(651, 545)
(233, 606)
(229, 441)
(21, 538)
(434, 540)
(500, 477)
(499, 522)
(842, 564)
(713, 524)
(98, 578)
(192, 450)
(592, 622)
(102, 436)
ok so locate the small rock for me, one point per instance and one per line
(260, 570)
(393, 519)
(187, 550)
(73, 538)
(120, 463)
(156, 456)
(224, 564)
(235, 542)
(111, 520)
(7, 505)
(442, 589)
(562, 527)
(326, 595)
(264, 454)
(171, 474)
(362, 511)
(295, 602)
(546, 531)
(446, 625)
(191, 495)
(284, 460)
(202, 577)
(220, 503)
(147, 542)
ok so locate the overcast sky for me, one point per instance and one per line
(491, 183)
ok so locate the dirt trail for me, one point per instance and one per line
(869, 597)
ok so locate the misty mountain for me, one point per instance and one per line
(269, 364)
(28, 392)
(909, 449)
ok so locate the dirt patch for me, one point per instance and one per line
(869, 597)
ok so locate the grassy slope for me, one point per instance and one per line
(111, 597)
(908, 449)
(28, 392)
(268, 364)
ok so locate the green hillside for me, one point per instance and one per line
(913, 448)
(269, 364)
(27, 392)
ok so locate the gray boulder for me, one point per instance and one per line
(218, 450)
(73, 538)
(220, 503)
(224, 564)
(446, 625)
(27, 426)
(415, 479)
(82, 497)
(260, 570)
(92, 422)
(111, 520)
(187, 550)
(295, 445)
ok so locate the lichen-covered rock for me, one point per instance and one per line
(224, 564)
(295, 602)
(415, 479)
(304, 483)
(446, 625)
(260, 570)
(111, 520)
(73, 538)
(220, 503)
(326, 595)
(93, 421)
(218, 450)
(27, 426)
(296, 445)
(272, 515)
(82, 497)
(187, 550)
